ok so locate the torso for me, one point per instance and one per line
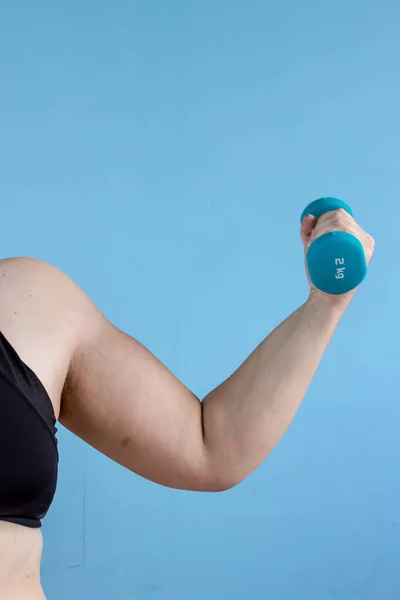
(37, 320)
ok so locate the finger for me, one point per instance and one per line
(307, 227)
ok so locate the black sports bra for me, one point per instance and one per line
(28, 443)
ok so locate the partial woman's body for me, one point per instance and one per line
(105, 387)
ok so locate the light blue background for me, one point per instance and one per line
(161, 153)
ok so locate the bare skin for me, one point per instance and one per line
(113, 393)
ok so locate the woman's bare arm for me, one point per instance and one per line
(120, 399)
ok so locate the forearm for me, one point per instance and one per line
(246, 416)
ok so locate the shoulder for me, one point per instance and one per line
(47, 317)
(42, 286)
(26, 270)
(23, 274)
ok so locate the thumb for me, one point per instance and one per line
(307, 227)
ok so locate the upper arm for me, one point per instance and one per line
(125, 403)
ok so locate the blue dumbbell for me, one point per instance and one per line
(336, 261)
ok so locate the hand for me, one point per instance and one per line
(337, 220)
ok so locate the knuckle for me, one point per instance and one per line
(340, 215)
(341, 211)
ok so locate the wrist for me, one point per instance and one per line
(326, 307)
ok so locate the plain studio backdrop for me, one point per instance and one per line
(161, 153)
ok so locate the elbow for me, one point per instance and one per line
(224, 487)
(221, 482)
(219, 473)
(213, 487)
